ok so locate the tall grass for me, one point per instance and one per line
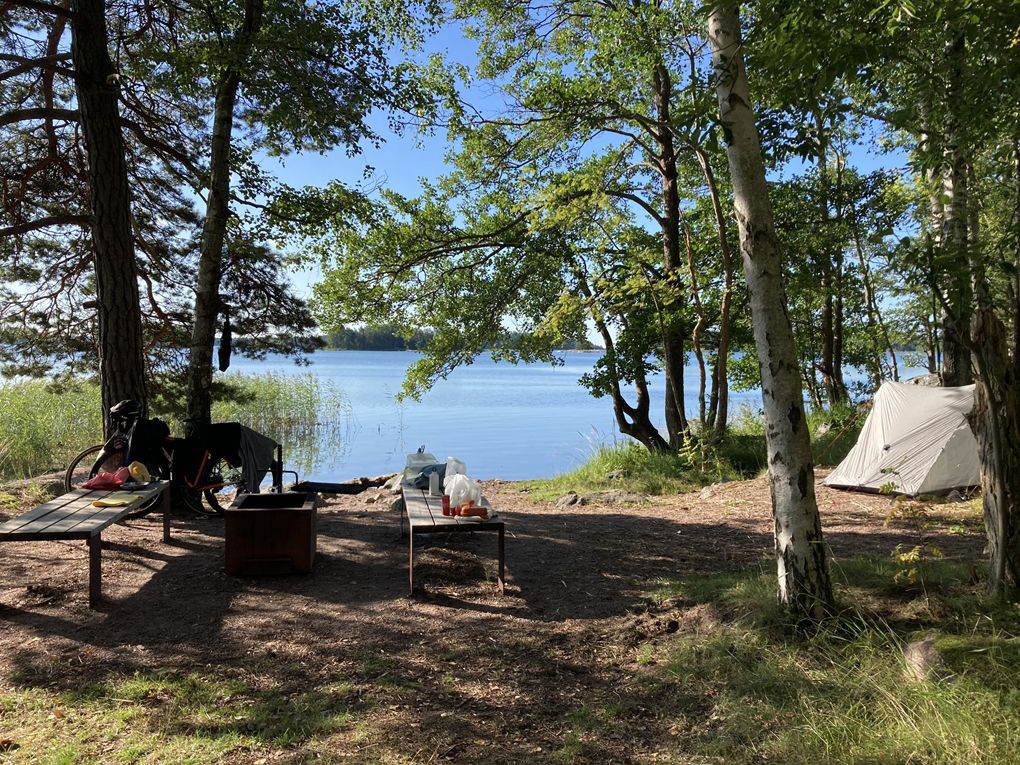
(312, 418)
(43, 427)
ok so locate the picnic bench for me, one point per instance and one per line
(425, 516)
(73, 516)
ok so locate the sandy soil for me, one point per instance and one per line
(455, 669)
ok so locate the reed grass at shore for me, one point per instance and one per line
(45, 425)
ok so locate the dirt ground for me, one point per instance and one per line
(456, 673)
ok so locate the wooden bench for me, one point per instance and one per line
(73, 516)
(425, 516)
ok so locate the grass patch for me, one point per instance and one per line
(636, 469)
(167, 717)
(741, 454)
(833, 433)
(754, 690)
(639, 470)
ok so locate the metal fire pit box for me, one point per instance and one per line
(270, 534)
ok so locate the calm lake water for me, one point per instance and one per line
(504, 421)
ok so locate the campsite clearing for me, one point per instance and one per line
(183, 661)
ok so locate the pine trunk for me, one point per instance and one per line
(214, 230)
(119, 319)
(997, 429)
(805, 587)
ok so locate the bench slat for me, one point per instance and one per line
(45, 522)
(71, 516)
(425, 512)
(105, 516)
(15, 524)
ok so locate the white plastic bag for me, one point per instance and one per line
(462, 490)
(454, 467)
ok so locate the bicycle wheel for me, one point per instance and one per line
(192, 499)
(222, 485)
(88, 464)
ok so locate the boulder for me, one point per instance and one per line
(568, 500)
(928, 381)
(709, 491)
(611, 497)
(925, 662)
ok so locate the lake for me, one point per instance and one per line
(504, 421)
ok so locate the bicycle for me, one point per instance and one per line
(206, 465)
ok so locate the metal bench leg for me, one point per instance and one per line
(410, 557)
(501, 583)
(166, 514)
(95, 570)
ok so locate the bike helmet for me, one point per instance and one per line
(126, 411)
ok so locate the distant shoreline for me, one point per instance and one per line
(419, 350)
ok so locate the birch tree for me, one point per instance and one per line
(805, 587)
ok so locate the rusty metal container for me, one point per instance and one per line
(270, 534)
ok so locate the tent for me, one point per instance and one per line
(915, 439)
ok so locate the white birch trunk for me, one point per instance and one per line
(805, 588)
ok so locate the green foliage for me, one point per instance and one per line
(385, 337)
(833, 431)
(553, 217)
(308, 82)
(390, 337)
(914, 563)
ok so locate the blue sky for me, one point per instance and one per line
(402, 161)
(398, 164)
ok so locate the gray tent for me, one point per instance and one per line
(915, 439)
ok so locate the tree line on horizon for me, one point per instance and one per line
(387, 337)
